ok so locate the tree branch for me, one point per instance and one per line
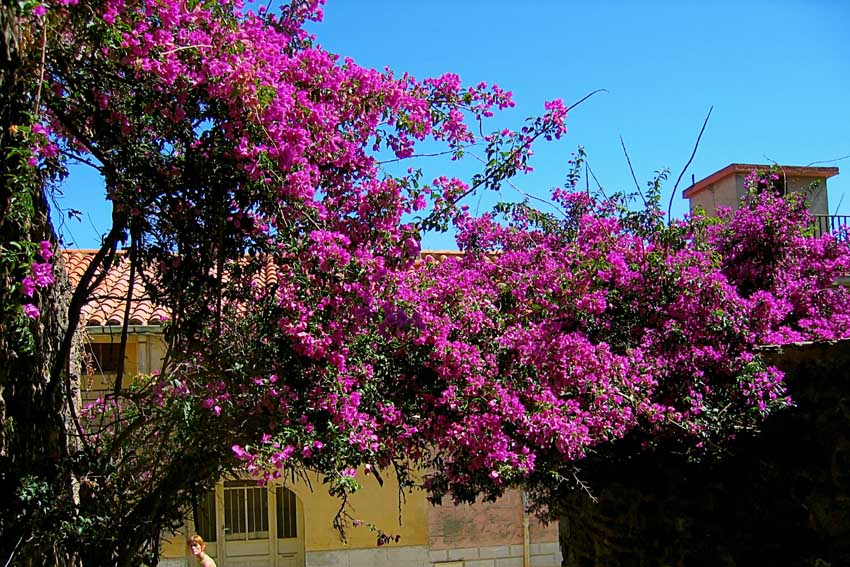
(634, 178)
(585, 97)
(119, 375)
(690, 159)
(828, 160)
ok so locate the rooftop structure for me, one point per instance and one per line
(725, 187)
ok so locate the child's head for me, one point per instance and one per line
(196, 544)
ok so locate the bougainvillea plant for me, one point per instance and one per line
(232, 145)
(558, 335)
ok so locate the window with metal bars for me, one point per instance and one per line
(103, 357)
(246, 510)
(287, 524)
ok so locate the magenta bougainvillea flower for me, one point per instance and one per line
(245, 163)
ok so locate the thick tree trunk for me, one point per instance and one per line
(33, 441)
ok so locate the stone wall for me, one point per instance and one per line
(782, 498)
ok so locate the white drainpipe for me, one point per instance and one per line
(526, 539)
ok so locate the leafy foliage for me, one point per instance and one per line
(307, 335)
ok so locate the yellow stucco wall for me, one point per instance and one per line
(96, 383)
(373, 504)
(485, 524)
(174, 546)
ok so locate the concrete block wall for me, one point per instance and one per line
(395, 556)
(542, 555)
(545, 554)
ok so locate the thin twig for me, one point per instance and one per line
(838, 206)
(784, 177)
(631, 169)
(41, 70)
(585, 97)
(828, 160)
(585, 487)
(82, 160)
(513, 152)
(184, 47)
(437, 154)
(523, 193)
(14, 551)
(598, 185)
(693, 153)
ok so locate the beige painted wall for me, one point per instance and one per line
(144, 354)
(728, 191)
(817, 199)
(724, 193)
(174, 546)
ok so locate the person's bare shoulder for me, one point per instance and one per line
(207, 562)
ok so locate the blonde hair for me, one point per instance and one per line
(197, 539)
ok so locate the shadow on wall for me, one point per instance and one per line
(782, 499)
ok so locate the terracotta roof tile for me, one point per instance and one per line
(108, 302)
(439, 255)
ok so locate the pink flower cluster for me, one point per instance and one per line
(331, 344)
(539, 345)
(41, 276)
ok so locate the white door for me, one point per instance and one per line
(247, 525)
(289, 528)
(247, 538)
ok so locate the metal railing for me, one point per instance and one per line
(839, 225)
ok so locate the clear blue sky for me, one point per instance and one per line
(777, 74)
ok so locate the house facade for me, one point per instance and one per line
(725, 187)
(246, 525)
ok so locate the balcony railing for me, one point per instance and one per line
(839, 225)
